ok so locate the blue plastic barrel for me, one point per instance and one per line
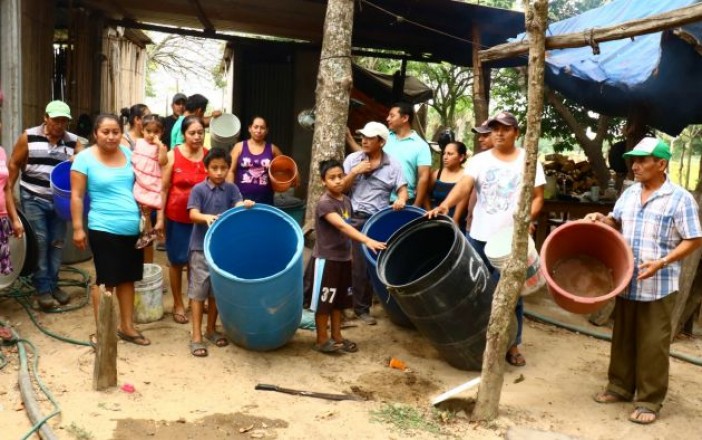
(380, 227)
(60, 179)
(255, 259)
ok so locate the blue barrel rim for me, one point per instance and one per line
(418, 223)
(59, 166)
(382, 213)
(261, 207)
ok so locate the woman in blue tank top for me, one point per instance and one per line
(444, 179)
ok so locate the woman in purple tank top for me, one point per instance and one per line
(250, 162)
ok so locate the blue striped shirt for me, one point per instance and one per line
(653, 230)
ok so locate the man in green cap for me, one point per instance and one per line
(35, 154)
(659, 220)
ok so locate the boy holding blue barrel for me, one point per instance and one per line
(331, 291)
(207, 200)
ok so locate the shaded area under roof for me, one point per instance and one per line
(443, 33)
(379, 86)
(658, 75)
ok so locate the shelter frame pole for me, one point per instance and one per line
(11, 71)
(481, 85)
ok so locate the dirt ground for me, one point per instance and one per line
(178, 396)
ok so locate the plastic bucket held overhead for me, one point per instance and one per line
(61, 189)
(148, 295)
(255, 259)
(442, 285)
(593, 241)
(282, 172)
(498, 250)
(380, 226)
(224, 130)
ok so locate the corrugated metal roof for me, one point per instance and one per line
(433, 29)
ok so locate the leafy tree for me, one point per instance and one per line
(567, 123)
(183, 56)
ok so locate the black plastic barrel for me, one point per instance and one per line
(442, 285)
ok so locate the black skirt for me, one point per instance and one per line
(116, 259)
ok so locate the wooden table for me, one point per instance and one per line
(565, 210)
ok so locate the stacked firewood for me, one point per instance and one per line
(571, 176)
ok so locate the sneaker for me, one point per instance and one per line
(62, 297)
(46, 301)
(367, 319)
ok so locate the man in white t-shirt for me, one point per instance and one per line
(497, 175)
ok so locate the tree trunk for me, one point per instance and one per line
(682, 162)
(689, 163)
(591, 147)
(513, 275)
(332, 96)
(689, 285)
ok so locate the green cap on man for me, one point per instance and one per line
(58, 109)
(650, 146)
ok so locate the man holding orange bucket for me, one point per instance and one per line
(660, 222)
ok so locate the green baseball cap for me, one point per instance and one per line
(58, 109)
(650, 146)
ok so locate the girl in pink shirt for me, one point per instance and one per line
(9, 220)
(147, 159)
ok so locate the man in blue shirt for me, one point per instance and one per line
(413, 153)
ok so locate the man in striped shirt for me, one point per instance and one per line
(660, 222)
(37, 151)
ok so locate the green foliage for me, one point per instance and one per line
(405, 418)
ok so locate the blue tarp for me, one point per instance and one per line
(657, 74)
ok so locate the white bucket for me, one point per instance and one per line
(148, 295)
(224, 130)
(498, 250)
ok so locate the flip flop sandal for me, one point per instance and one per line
(516, 360)
(634, 417)
(608, 397)
(6, 336)
(217, 339)
(137, 339)
(328, 347)
(198, 349)
(349, 346)
(180, 318)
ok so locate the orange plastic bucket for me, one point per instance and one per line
(583, 238)
(282, 172)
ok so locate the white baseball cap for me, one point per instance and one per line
(373, 129)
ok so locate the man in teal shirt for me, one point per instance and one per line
(195, 105)
(408, 148)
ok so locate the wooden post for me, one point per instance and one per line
(513, 275)
(105, 370)
(619, 31)
(480, 96)
(333, 92)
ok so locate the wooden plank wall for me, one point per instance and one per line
(37, 59)
(123, 72)
(82, 57)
